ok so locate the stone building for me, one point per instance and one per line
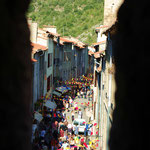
(130, 126)
(111, 8)
(104, 71)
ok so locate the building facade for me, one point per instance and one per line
(104, 69)
(62, 59)
(38, 71)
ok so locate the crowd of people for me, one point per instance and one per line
(55, 132)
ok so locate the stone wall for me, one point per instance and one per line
(130, 126)
(130, 118)
(15, 76)
(110, 11)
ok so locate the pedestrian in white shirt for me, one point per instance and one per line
(80, 114)
(69, 128)
(70, 102)
(67, 106)
(64, 145)
(81, 93)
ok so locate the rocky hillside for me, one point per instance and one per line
(72, 17)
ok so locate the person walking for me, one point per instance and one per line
(72, 142)
(61, 133)
(64, 145)
(81, 93)
(78, 94)
(72, 115)
(88, 95)
(81, 140)
(70, 102)
(69, 128)
(86, 131)
(64, 115)
(80, 114)
(42, 135)
(67, 105)
(76, 130)
(54, 144)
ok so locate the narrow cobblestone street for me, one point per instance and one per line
(85, 109)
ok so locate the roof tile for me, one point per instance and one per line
(38, 46)
(98, 43)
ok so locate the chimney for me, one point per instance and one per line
(33, 31)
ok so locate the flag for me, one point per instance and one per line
(97, 145)
(95, 124)
(85, 145)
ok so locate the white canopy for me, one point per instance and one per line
(50, 104)
(57, 93)
(38, 116)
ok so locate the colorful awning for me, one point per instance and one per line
(63, 89)
(57, 93)
(51, 105)
(38, 116)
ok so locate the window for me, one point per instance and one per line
(67, 56)
(51, 83)
(48, 83)
(49, 60)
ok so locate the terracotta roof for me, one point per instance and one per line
(38, 46)
(98, 43)
(33, 60)
(103, 26)
(76, 42)
(91, 48)
(53, 34)
(90, 53)
(66, 40)
(80, 46)
(49, 26)
(112, 29)
(45, 38)
(98, 54)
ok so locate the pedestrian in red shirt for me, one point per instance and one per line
(81, 140)
(61, 133)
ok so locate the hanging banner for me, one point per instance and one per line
(57, 93)
(51, 105)
(38, 116)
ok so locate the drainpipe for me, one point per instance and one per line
(109, 92)
(100, 105)
(97, 114)
(76, 65)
